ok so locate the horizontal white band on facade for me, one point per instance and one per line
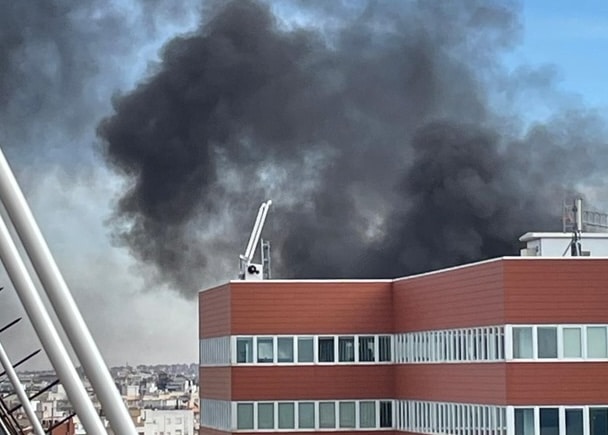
(298, 415)
(451, 345)
(557, 342)
(425, 417)
(323, 349)
(437, 418)
(535, 343)
(557, 420)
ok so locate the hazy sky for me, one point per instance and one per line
(84, 56)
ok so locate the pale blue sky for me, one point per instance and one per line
(572, 35)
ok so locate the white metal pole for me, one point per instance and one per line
(65, 307)
(579, 215)
(18, 387)
(49, 338)
(252, 239)
(257, 230)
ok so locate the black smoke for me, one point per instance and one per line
(60, 62)
(384, 132)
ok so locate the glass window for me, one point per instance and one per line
(549, 421)
(386, 414)
(384, 348)
(326, 349)
(305, 349)
(367, 414)
(471, 347)
(366, 349)
(574, 422)
(598, 421)
(500, 343)
(244, 350)
(456, 345)
(244, 416)
(346, 349)
(347, 414)
(265, 415)
(522, 342)
(572, 342)
(285, 349)
(547, 342)
(524, 421)
(327, 414)
(265, 351)
(286, 416)
(306, 415)
(444, 346)
(596, 342)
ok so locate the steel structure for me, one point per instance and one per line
(248, 269)
(67, 312)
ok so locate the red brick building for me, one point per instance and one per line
(513, 346)
(66, 428)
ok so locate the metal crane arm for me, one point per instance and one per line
(256, 232)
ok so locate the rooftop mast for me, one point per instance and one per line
(247, 269)
(575, 245)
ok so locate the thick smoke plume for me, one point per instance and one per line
(385, 134)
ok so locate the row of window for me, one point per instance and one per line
(313, 349)
(563, 341)
(467, 344)
(314, 415)
(404, 415)
(583, 420)
(450, 418)
(496, 343)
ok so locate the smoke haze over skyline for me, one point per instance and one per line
(393, 138)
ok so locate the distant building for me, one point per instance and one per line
(62, 427)
(130, 390)
(168, 422)
(509, 346)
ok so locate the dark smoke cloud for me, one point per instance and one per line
(60, 62)
(374, 127)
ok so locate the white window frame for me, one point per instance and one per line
(276, 349)
(510, 417)
(560, 343)
(393, 348)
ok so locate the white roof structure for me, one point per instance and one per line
(558, 244)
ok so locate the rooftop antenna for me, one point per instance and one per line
(577, 220)
(575, 244)
(589, 221)
(247, 269)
